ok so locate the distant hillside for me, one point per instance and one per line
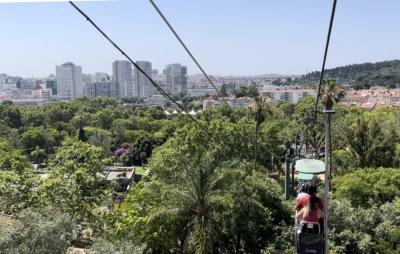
(359, 76)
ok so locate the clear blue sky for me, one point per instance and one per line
(227, 36)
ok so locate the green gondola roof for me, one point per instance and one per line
(310, 166)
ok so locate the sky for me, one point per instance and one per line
(228, 37)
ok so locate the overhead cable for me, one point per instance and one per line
(157, 86)
(184, 45)
(325, 57)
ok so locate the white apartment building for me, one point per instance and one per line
(288, 95)
(122, 75)
(242, 102)
(143, 87)
(175, 79)
(69, 80)
(104, 89)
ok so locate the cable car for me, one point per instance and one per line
(308, 235)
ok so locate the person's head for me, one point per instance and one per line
(312, 190)
(124, 174)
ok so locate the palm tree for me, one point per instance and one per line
(194, 201)
(79, 121)
(332, 92)
(261, 109)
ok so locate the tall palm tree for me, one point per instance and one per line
(332, 92)
(79, 121)
(194, 200)
(261, 109)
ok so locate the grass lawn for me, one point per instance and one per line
(140, 170)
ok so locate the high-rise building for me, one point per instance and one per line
(175, 79)
(122, 75)
(69, 80)
(143, 86)
(106, 89)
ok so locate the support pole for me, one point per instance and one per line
(293, 170)
(287, 176)
(328, 114)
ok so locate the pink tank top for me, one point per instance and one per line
(313, 217)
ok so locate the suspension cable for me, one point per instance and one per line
(183, 45)
(157, 86)
(325, 56)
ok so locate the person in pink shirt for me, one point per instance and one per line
(311, 212)
(304, 199)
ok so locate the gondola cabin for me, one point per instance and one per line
(309, 235)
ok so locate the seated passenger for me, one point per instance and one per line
(304, 199)
(302, 191)
(311, 212)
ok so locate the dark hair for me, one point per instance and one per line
(312, 190)
(313, 203)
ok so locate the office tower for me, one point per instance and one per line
(122, 75)
(69, 80)
(143, 86)
(175, 79)
(105, 89)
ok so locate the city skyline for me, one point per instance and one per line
(261, 38)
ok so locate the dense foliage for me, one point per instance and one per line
(205, 190)
(359, 76)
(47, 232)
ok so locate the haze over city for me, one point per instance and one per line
(228, 37)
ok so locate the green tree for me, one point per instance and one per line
(74, 183)
(360, 230)
(102, 246)
(370, 144)
(261, 108)
(38, 155)
(104, 118)
(45, 232)
(252, 91)
(100, 138)
(16, 181)
(304, 124)
(36, 137)
(79, 121)
(200, 186)
(365, 186)
(222, 91)
(33, 116)
(10, 115)
(58, 113)
(331, 93)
